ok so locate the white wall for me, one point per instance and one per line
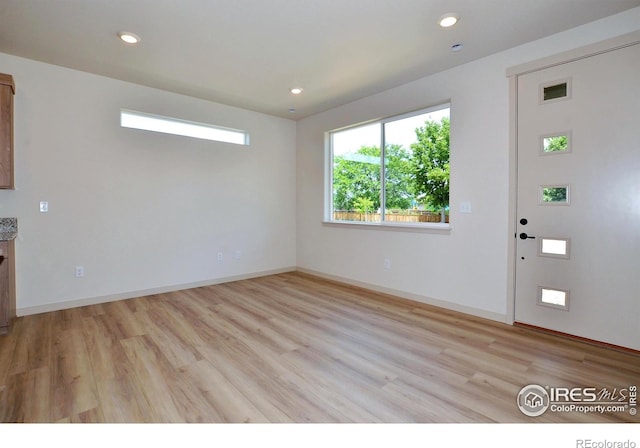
(469, 268)
(141, 211)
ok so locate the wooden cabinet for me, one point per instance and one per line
(7, 90)
(7, 285)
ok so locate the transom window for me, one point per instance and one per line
(175, 126)
(392, 170)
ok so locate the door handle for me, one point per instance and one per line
(524, 236)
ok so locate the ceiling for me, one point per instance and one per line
(249, 53)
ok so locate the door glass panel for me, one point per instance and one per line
(554, 247)
(555, 298)
(554, 144)
(554, 194)
(555, 91)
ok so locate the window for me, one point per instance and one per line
(555, 91)
(167, 125)
(393, 170)
(554, 298)
(556, 144)
(553, 247)
(554, 195)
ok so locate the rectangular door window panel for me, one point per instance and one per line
(553, 195)
(554, 91)
(554, 298)
(555, 144)
(553, 247)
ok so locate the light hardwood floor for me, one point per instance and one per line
(287, 348)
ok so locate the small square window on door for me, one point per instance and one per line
(554, 247)
(553, 298)
(555, 91)
(558, 143)
(553, 195)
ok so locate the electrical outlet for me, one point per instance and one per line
(78, 271)
(387, 263)
(238, 254)
(219, 256)
(44, 206)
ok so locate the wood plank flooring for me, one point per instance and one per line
(288, 348)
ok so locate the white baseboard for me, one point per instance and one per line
(502, 318)
(56, 306)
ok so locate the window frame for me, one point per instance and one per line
(159, 123)
(328, 220)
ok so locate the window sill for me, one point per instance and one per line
(400, 227)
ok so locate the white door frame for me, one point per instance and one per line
(513, 73)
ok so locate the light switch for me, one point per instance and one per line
(465, 207)
(44, 206)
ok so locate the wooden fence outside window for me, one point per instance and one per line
(404, 216)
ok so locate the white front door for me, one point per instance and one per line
(578, 201)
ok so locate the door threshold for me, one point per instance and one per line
(578, 338)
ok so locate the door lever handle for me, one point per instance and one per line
(524, 236)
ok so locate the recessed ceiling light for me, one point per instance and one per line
(448, 19)
(296, 90)
(456, 47)
(128, 37)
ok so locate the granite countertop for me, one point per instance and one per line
(8, 228)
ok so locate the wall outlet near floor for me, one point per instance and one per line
(238, 254)
(219, 256)
(78, 271)
(387, 263)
